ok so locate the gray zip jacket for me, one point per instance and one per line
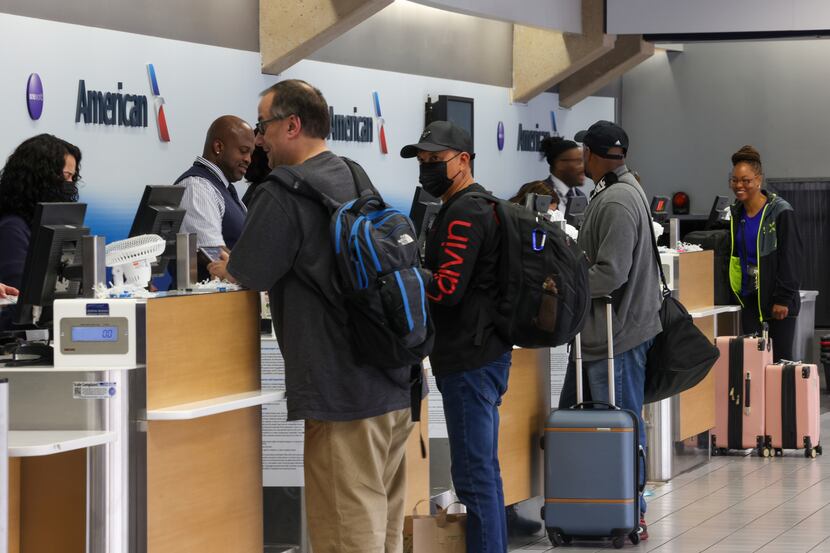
(616, 236)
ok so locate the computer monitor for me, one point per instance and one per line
(718, 211)
(539, 203)
(458, 110)
(575, 210)
(425, 208)
(159, 213)
(53, 263)
(659, 209)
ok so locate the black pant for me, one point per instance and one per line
(782, 332)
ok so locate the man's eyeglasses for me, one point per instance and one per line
(260, 126)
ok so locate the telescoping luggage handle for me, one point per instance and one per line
(578, 358)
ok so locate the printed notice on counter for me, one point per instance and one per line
(558, 367)
(282, 441)
(93, 390)
(437, 422)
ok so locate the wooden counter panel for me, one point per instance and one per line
(697, 406)
(202, 346)
(697, 280)
(53, 503)
(522, 414)
(204, 484)
(14, 505)
(417, 468)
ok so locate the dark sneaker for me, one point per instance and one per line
(643, 530)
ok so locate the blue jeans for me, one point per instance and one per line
(471, 407)
(629, 387)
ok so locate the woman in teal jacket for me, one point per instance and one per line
(765, 251)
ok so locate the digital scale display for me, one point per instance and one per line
(94, 333)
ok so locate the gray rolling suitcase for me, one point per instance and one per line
(591, 467)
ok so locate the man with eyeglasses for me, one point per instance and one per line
(213, 208)
(567, 170)
(357, 418)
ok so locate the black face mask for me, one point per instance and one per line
(433, 177)
(68, 192)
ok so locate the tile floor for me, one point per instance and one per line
(734, 504)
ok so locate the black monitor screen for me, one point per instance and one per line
(460, 112)
(52, 268)
(659, 208)
(159, 213)
(718, 211)
(575, 210)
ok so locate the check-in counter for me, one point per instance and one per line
(161, 456)
(678, 427)
(522, 414)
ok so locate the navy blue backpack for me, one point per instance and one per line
(379, 275)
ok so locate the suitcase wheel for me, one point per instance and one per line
(810, 453)
(779, 452)
(723, 451)
(762, 452)
(634, 537)
(555, 537)
(818, 449)
(619, 542)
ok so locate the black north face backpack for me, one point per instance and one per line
(379, 274)
(544, 297)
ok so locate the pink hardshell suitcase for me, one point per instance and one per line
(739, 394)
(792, 407)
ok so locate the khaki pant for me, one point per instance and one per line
(355, 481)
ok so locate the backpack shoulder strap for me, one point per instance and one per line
(362, 183)
(292, 180)
(484, 195)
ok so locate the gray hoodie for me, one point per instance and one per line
(616, 236)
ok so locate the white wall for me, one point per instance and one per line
(202, 82)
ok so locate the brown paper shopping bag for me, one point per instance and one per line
(438, 533)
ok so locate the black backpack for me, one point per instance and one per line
(544, 297)
(379, 274)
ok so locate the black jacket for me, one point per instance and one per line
(779, 252)
(462, 251)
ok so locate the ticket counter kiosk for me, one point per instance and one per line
(159, 456)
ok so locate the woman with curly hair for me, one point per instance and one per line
(43, 168)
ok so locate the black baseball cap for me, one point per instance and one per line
(438, 136)
(602, 136)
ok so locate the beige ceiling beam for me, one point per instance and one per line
(291, 30)
(544, 58)
(628, 52)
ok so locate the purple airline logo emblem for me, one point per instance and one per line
(34, 96)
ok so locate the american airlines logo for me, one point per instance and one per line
(119, 108)
(158, 100)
